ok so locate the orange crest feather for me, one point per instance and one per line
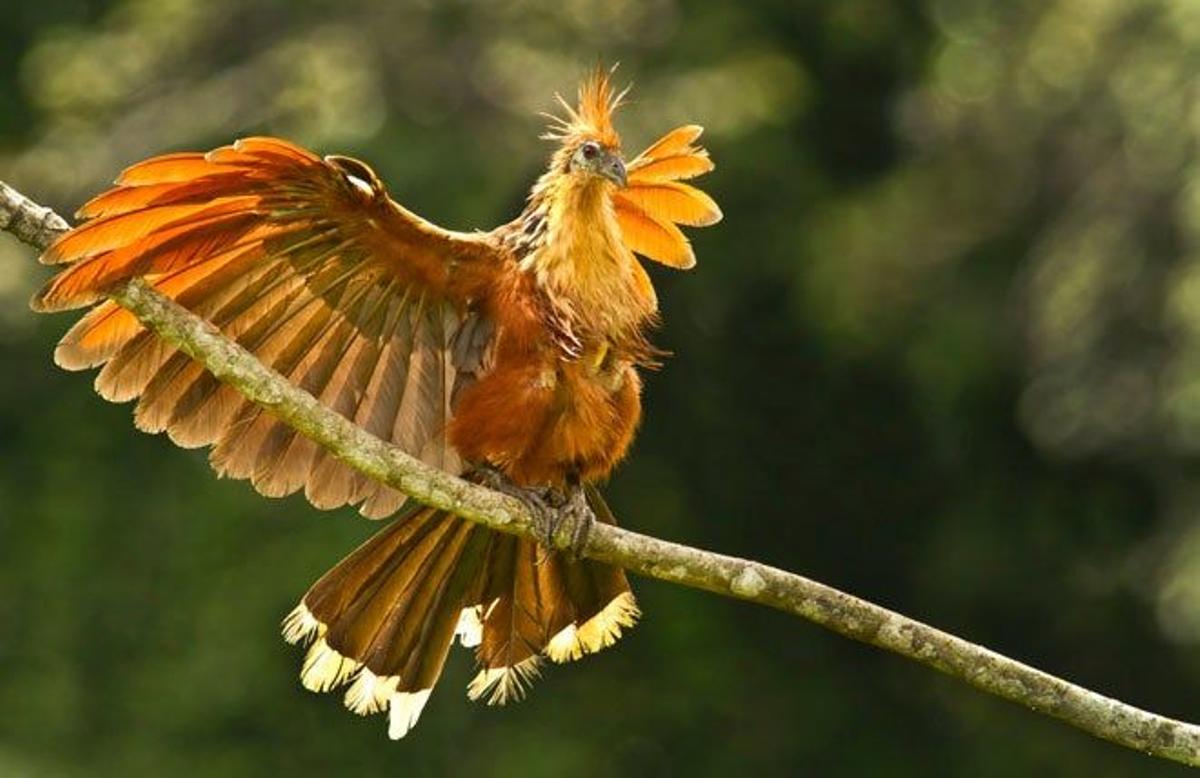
(591, 119)
(656, 200)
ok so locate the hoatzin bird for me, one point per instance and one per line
(509, 357)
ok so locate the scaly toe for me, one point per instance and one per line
(540, 501)
(581, 518)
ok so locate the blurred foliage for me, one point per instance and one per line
(944, 352)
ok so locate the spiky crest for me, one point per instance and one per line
(591, 119)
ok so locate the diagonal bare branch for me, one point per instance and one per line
(842, 613)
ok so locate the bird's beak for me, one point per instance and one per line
(613, 169)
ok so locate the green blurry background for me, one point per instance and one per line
(943, 352)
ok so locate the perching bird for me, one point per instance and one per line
(509, 357)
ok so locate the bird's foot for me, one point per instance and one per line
(555, 513)
(577, 517)
(542, 502)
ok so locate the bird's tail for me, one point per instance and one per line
(383, 620)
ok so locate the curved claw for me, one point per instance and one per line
(552, 510)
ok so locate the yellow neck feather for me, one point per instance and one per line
(584, 260)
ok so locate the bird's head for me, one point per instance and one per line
(589, 190)
(591, 158)
(589, 146)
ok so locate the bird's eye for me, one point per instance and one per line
(590, 150)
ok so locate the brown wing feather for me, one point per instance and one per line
(307, 263)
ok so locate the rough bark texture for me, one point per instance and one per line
(840, 612)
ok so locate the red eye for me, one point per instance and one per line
(590, 150)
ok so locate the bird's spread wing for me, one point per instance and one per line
(656, 200)
(307, 263)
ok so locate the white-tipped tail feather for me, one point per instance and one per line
(370, 692)
(325, 669)
(500, 685)
(598, 632)
(405, 709)
(565, 647)
(470, 626)
(300, 626)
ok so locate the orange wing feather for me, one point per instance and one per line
(304, 261)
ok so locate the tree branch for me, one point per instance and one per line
(835, 610)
